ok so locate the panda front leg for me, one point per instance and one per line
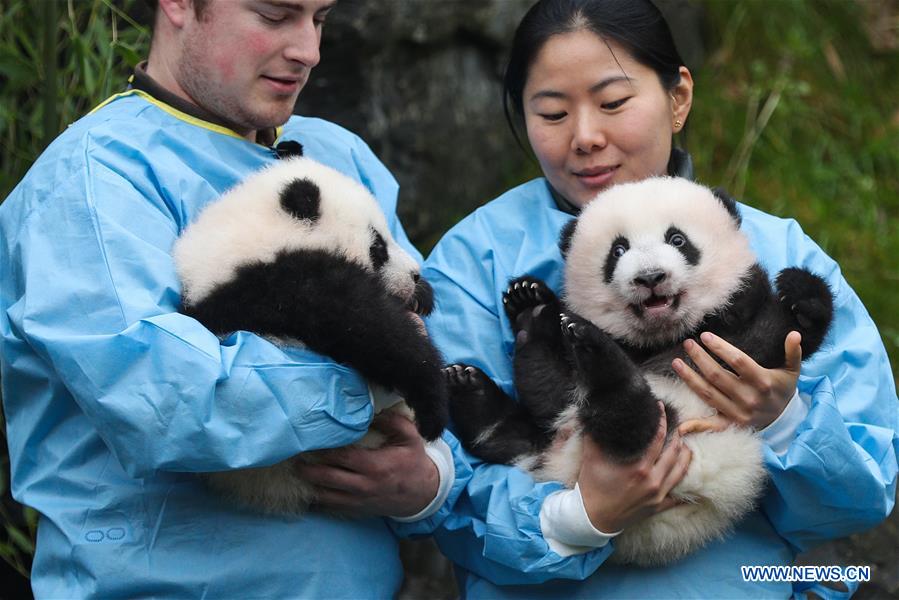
(807, 303)
(617, 407)
(543, 375)
(340, 310)
(490, 424)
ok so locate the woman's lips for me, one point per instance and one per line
(597, 176)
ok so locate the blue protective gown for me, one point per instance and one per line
(838, 475)
(114, 401)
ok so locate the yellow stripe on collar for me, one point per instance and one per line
(172, 111)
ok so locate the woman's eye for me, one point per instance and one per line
(553, 116)
(615, 104)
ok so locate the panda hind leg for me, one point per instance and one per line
(809, 302)
(617, 407)
(490, 424)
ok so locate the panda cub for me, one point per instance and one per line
(647, 265)
(302, 254)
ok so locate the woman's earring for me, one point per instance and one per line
(677, 123)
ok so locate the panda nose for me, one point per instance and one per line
(650, 279)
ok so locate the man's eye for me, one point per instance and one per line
(271, 19)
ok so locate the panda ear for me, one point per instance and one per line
(302, 199)
(729, 203)
(565, 236)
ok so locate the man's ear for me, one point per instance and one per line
(174, 11)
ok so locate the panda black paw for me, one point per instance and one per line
(465, 379)
(579, 332)
(809, 300)
(525, 293)
(476, 402)
(431, 422)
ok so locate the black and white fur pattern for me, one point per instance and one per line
(647, 265)
(302, 254)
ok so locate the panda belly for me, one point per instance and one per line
(725, 476)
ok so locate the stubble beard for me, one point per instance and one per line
(235, 112)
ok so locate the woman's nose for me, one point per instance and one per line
(589, 133)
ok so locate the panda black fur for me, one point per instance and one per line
(302, 254)
(647, 265)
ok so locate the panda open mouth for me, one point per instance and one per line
(657, 304)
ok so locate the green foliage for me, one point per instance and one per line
(796, 113)
(57, 60)
(93, 47)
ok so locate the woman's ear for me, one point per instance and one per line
(681, 100)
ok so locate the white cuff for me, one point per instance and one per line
(780, 432)
(442, 457)
(565, 524)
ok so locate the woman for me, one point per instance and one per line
(601, 91)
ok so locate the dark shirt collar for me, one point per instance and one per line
(143, 82)
(679, 165)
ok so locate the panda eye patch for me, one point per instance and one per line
(378, 250)
(620, 246)
(679, 240)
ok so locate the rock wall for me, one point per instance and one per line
(419, 80)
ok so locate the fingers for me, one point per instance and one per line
(396, 427)
(717, 386)
(328, 477)
(793, 351)
(699, 384)
(682, 458)
(715, 423)
(658, 442)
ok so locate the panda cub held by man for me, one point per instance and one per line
(301, 254)
(647, 265)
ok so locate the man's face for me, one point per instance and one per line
(247, 60)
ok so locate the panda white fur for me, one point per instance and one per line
(302, 254)
(647, 265)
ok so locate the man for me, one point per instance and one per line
(115, 401)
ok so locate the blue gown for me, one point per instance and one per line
(114, 401)
(837, 476)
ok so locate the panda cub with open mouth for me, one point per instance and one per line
(647, 265)
(302, 254)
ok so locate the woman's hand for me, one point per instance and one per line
(398, 479)
(752, 396)
(619, 495)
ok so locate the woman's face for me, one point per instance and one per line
(596, 117)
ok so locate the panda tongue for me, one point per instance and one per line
(656, 301)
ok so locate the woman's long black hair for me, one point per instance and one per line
(636, 25)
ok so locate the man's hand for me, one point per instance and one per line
(398, 479)
(752, 396)
(618, 495)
